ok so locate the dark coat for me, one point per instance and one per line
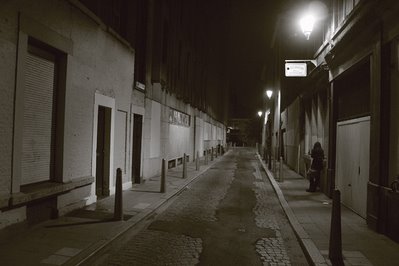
(318, 157)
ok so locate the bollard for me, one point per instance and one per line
(118, 208)
(335, 249)
(184, 166)
(212, 154)
(281, 177)
(163, 177)
(197, 162)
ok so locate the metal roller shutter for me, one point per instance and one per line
(38, 129)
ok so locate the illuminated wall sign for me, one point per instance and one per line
(295, 69)
(140, 86)
(179, 118)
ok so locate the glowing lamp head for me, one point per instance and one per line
(307, 23)
(269, 93)
(260, 113)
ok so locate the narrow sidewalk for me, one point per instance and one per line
(310, 217)
(71, 239)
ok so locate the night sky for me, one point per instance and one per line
(252, 26)
(253, 23)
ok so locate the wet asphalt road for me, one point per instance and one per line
(229, 216)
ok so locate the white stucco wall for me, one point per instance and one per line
(175, 140)
(155, 145)
(199, 135)
(107, 69)
(291, 123)
(179, 141)
(121, 143)
(98, 62)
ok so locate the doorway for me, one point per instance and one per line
(136, 157)
(352, 163)
(103, 151)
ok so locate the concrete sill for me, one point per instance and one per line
(46, 189)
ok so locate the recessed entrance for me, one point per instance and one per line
(136, 157)
(103, 151)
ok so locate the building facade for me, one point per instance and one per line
(88, 87)
(348, 102)
(186, 84)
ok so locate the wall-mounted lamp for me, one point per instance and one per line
(269, 93)
(307, 23)
(260, 113)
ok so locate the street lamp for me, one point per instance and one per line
(269, 93)
(307, 23)
(260, 113)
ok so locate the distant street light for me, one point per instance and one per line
(307, 23)
(269, 93)
(260, 113)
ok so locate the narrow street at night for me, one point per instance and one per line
(229, 216)
(199, 132)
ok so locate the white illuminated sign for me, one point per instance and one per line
(295, 69)
(140, 86)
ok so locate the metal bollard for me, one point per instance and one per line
(281, 176)
(197, 162)
(184, 166)
(163, 177)
(211, 154)
(118, 208)
(335, 249)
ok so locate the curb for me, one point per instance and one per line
(310, 249)
(100, 245)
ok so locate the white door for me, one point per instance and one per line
(346, 159)
(352, 163)
(359, 186)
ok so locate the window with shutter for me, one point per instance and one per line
(39, 119)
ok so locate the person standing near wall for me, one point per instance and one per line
(316, 167)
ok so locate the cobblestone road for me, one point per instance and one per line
(230, 216)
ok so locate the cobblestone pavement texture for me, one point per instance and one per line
(229, 216)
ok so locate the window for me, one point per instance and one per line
(39, 113)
